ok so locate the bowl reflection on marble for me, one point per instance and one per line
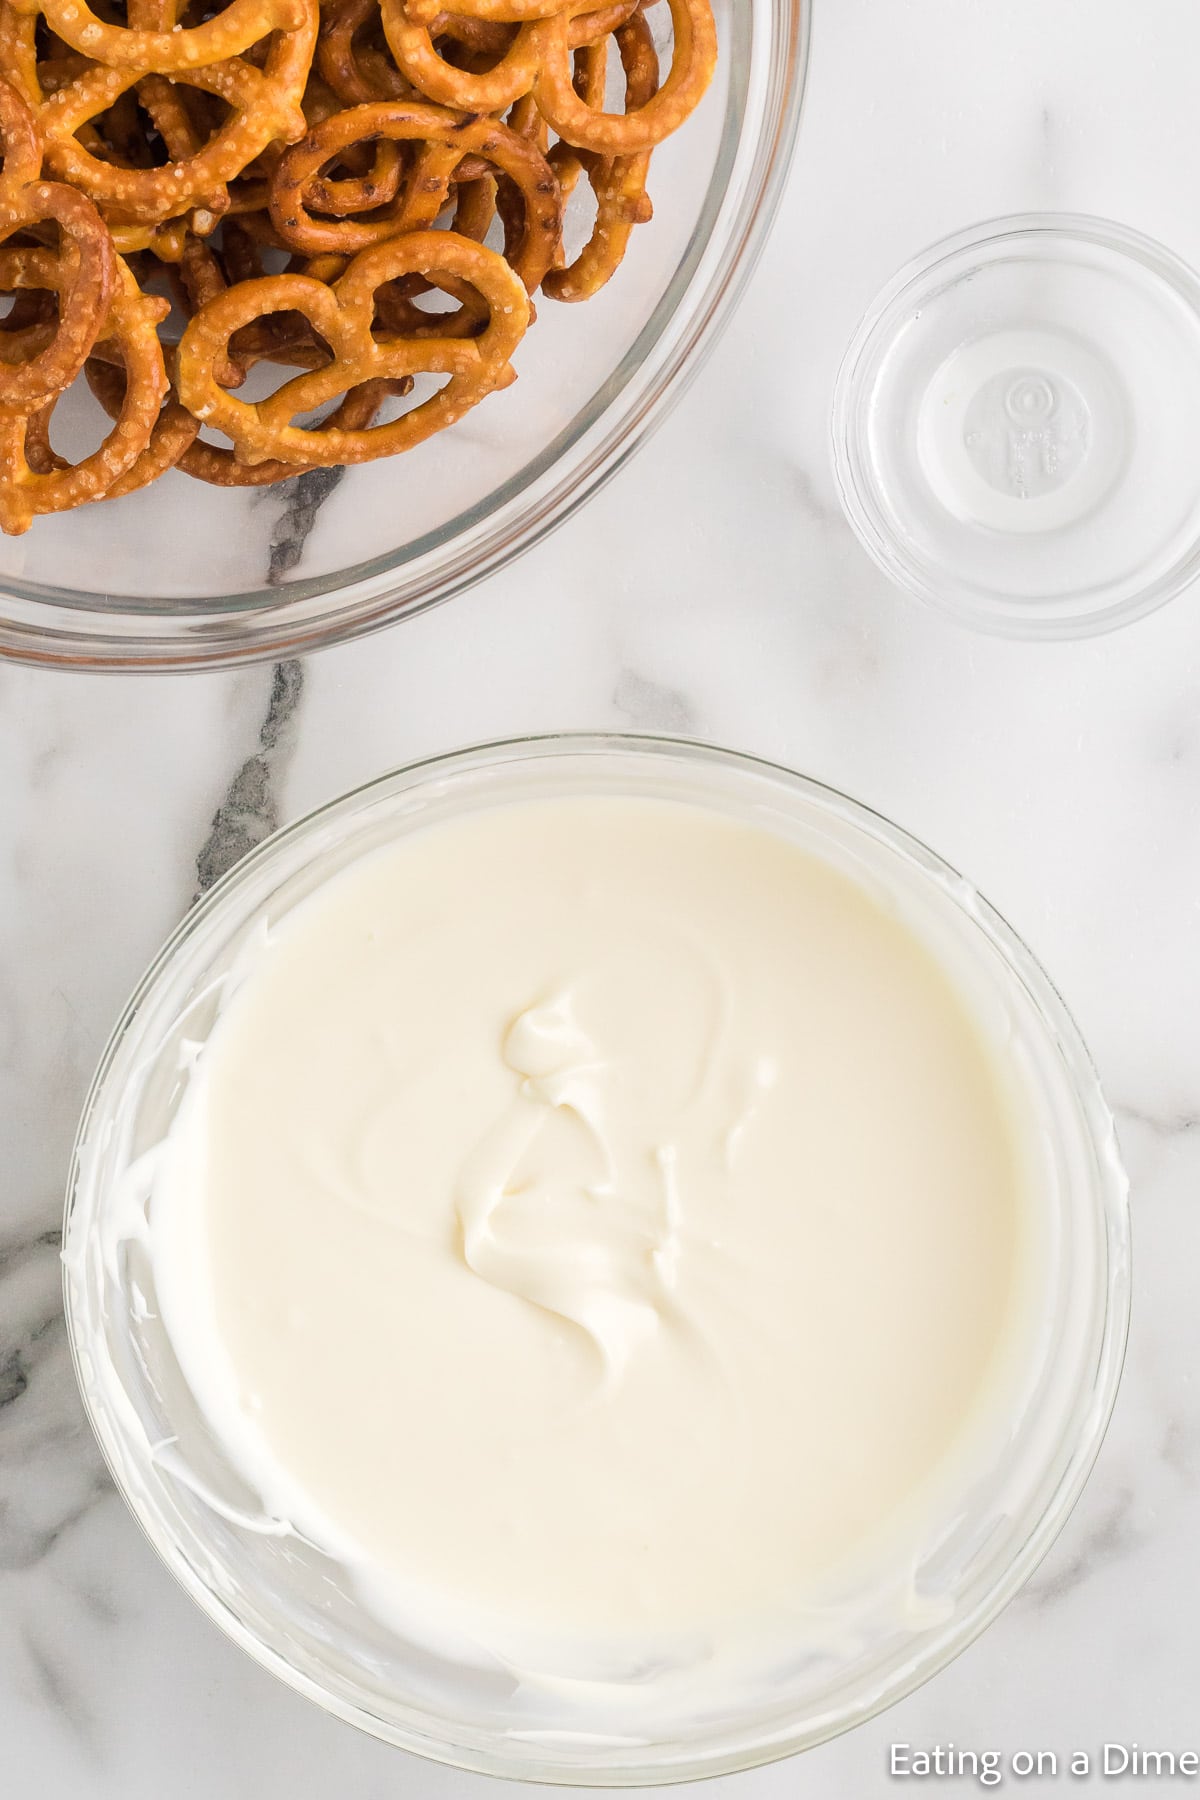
(182, 574)
(291, 1605)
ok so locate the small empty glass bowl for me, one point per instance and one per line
(183, 574)
(1016, 426)
(290, 1606)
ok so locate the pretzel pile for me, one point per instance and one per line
(188, 193)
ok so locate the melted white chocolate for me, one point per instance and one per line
(599, 1221)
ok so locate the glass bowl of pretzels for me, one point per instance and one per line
(314, 312)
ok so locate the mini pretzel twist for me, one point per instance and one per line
(358, 72)
(20, 144)
(233, 31)
(264, 105)
(490, 91)
(693, 59)
(175, 443)
(445, 139)
(618, 182)
(174, 110)
(83, 274)
(26, 488)
(343, 315)
(173, 431)
(516, 66)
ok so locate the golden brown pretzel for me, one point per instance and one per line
(501, 12)
(445, 138)
(264, 105)
(618, 182)
(343, 316)
(84, 274)
(20, 144)
(174, 111)
(174, 429)
(26, 490)
(357, 71)
(31, 320)
(378, 185)
(148, 52)
(693, 59)
(515, 71)
(490, 91)
(281, 339)
(175, 443)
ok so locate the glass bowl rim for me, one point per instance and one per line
(63, 628)
(1109, 1200)
(853, 466)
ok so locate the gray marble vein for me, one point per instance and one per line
(652, 705)
(812, 503)
(24, 1541)
(1180, 1449)
(56, 1690)
(1110, 1536)
(249, 811)
(1173, 1123)
(42, 1427)
(305, 496)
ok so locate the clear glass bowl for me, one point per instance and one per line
(283, 1602)
(183, 574)
(1013, 426)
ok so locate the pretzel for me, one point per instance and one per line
(173, 431)
(203, 274)
(264, 103)
(175, 443)
(693, 59)
(21, 145)
(343, 316)
(491, 91)
(504, 12)
(27, 489)
(446, 138)
(84, 276)
(166, 240)
(357, 73)
(174, 111)
(516, 69)
(231, 33)
(619, 182)
(221, 468)
(31, 320)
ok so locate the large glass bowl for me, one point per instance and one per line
(183, 574)
(287, 1605)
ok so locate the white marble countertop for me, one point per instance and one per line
(713, 588)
